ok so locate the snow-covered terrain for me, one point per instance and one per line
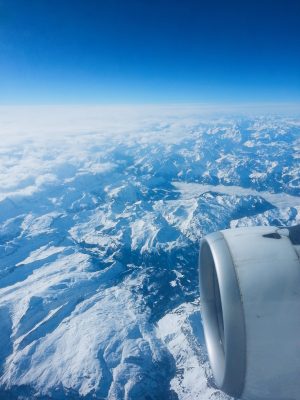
(101, 214)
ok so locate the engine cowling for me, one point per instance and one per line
(250, 306)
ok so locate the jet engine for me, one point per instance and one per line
(250, 307)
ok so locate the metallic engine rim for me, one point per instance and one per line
(228, 359)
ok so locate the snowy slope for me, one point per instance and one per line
(101, 214)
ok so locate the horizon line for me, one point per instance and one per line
(136, 104)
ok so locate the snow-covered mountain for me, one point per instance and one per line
(101, 214)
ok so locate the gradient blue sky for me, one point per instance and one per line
(149, 51)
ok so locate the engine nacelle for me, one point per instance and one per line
(250, 306)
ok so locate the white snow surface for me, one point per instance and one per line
(101, 213)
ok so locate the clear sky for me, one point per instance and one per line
(149, 51)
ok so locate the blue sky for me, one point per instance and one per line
(149, 51)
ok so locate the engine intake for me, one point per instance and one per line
(250, 306)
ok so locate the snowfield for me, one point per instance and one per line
(102, 211)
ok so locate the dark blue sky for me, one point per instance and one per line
(141, 51)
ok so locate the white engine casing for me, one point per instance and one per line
(250, 305)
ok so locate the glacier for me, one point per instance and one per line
(102, 210)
